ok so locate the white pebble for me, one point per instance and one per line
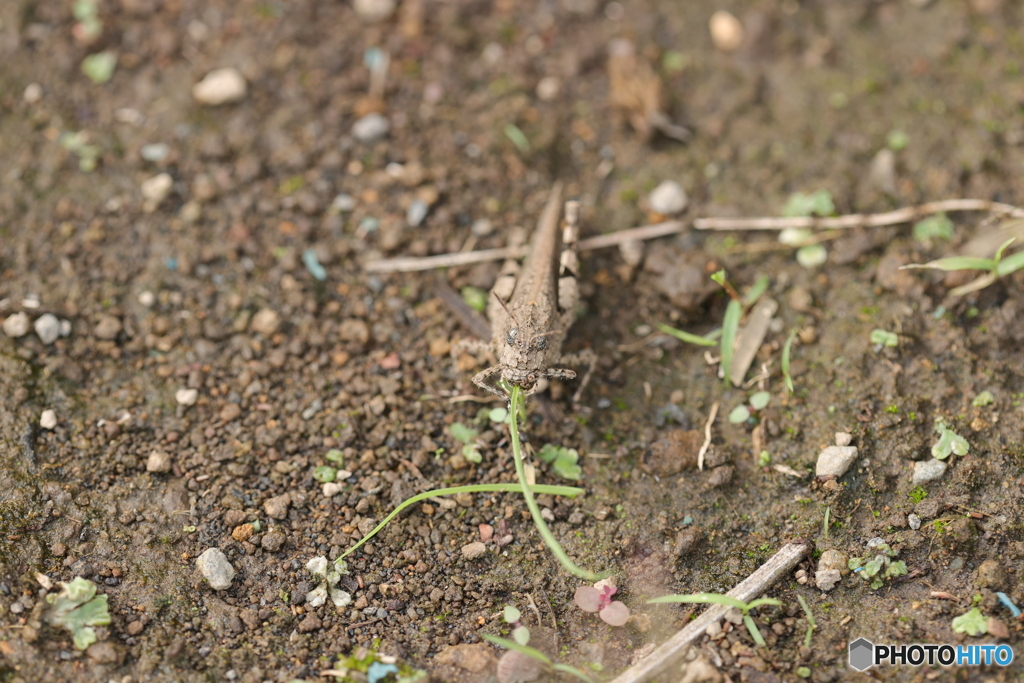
(668, 198)
(147, 298)
(48, 328)
(928, 470)
(33, 93)
(726, 31)
(215, 568)
(417, 213)
(827, 579)
(220, 86)
(548, 88)
(343, 203)
(332, 488)
(373, 11)
(65, 328)
(843, 439)
(156, 189)
(158, 461)
(914, 521)
(266, 321)
(155, 151)
(835, 460)
(370, 128)
(16, 325)
(186, 397)
(48, 420)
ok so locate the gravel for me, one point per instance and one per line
(107, 328)
(48, 420)
(158, 462)
(834, 461)
(16, 325)
(220, 86)
(48, 328)
(928, 470)
(186, 397)
(913, 521)
(215, 568)
(668, 198)
(371, 128)
(472, 551)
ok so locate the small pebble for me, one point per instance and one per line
(65, 328)
(33, 93)
(827, 579)
(266, 322)
(332, 488)
(734, 616)
(726, 31)
(107, 328)
(147, 298)
(928, 470)
(417, 213)
(373, 11)
(997, 628)
(16, 325)
(215, 568)
(156, 151)
(835, 460)
(48, 420)
(882, 172)
(913, 521)
(843, 439)
(48, 328)
(343, 203)
(220, 86)
(158, 462)
(472, 551)
(370, 128)
(155, 190)
(186, 397)
(668, 198)
(548, 88)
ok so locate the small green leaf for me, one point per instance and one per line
(934, 227)
(100, 66)
(811, 256)
(759, 288)
(985, 398)
(955, 263)
(517, 137)
(471, 452)
(685, 336)
(497, 415)
(335, 456)
(786, 351)
(566, 464)
(739, 415)
(949, 443)
(325, 474)
(462, 433)
(521, 635)
(730, 325)
(719, 277)
(760, 400)
(1010, 264)
(77, 608)
(884, 338)
(818, 202)
(897, 140)
(475, 298)
(974, 623)
(511, 614)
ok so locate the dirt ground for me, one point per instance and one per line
(207, 373)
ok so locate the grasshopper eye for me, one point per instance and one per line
(510, 338)
(541, 343)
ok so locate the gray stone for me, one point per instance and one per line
(835, 460)
(668, 198)
(928, 470)
(827, 579)
(158, 462)
(107, 328)
(48, 328)
(215, 568)
(913, 521)
(371, 128)
(843, 439)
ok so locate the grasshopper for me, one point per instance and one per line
(532, 308)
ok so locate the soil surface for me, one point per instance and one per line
(222, 337)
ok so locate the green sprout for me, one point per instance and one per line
(917, 495)
(878, 568)
(706, 340)
(974, 623)
(535, 654)
(882, 338)
(996, 267)
(467, 436)
(786, 351)
(818, 202)
(757, 402)
(728, 601)
(77, 608)
(949, 443)
(983, 399)
(897, 140)
(811, 624)
(475, 298)
(564, 461)
(937, 227)
(518, 138)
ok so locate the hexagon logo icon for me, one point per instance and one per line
(862, 654)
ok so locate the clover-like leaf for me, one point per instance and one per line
(615, 614)
(462, 433)
(77, 608)
(974, 623)
(587, 598)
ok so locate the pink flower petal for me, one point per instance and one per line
(587, 598)
(615, 614)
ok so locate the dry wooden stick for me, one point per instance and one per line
(857, 220)
(753, 586)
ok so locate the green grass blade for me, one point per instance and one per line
(786, 350)
(730, 325)
(568, 491)
(759, 288)
(531, 652)
(709, 598)
(955, 263)
(754, 632)
(1010, 264)
(515, 400)
(572, 671)
(685, 336)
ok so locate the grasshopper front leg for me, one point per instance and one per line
(580, 358)
(481, 380)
